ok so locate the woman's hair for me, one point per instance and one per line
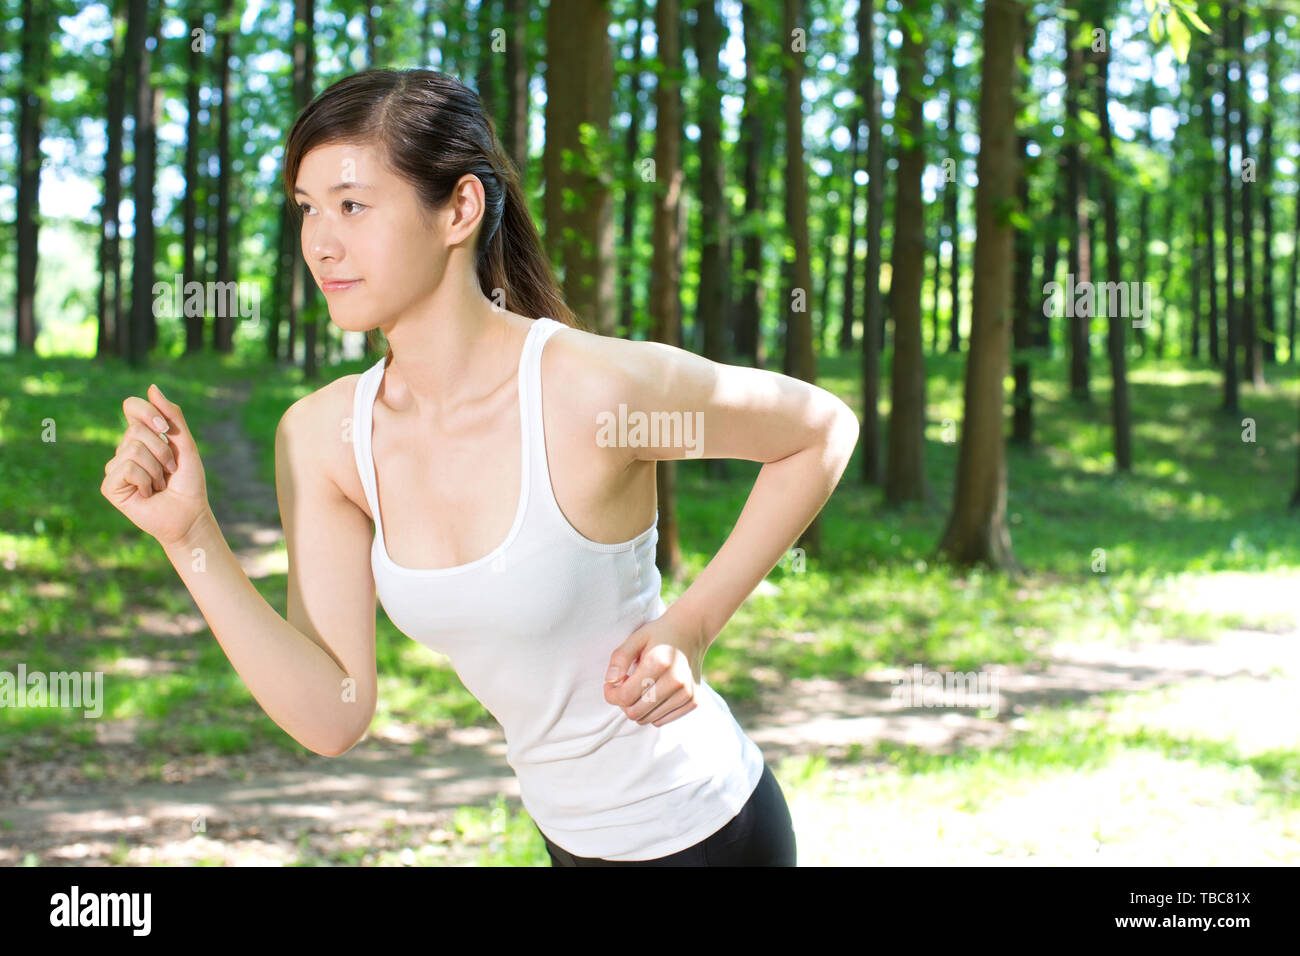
(433, 130)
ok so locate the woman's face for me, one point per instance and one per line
(371, 249)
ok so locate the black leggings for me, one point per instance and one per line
(761, 834)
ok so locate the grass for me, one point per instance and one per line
(81, 583)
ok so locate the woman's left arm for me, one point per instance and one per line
(803, 434)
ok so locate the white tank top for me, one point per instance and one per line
(529, 629)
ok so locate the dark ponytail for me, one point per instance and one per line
(434, 131)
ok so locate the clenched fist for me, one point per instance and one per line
(156, 478)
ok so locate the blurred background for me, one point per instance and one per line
(1048, 251)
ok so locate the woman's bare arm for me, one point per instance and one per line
(313, 674)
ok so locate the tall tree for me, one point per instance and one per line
(302, 286)
(1116, 318)
(800, 359)
(1022, 401)
(518, 72)
(1205, 168)
(1041, 325)
(579, 200)
(872, 318)
(665, 284)
(1080, 256)
(711, 297)
(1269, 315)
(34, 44)
(905, 478)
(223, 322)
(110, 257)
(1254, 371)
(950, 208)
(634, 159)
(148, 102)
(851, 251)
(1144, 204)
(977, 529)
(1022, 331)
(189, 209)
(753, 146)
(1230, 386)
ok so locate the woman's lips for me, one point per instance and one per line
(339, 286)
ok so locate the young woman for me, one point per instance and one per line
(477, 480)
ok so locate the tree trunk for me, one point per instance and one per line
(800, 359)
(31, 94)
(1022, 417)
(1116, 319)
(1042, 324)
(711, 298)
(872, 320)
(110, 256)
(1080, 261)
(1230, 386)
(748, 335)
(1254, 371)
(148, 101)
(189, 267)
(950, 209)
(578, 91)
(905, 478)
(515, 127)
(665, 283)
(977, 529)
(224, 324)
(851, 254)
(1206, 167)
(632, 147)
(1269, 315)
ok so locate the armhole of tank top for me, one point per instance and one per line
(361, 431)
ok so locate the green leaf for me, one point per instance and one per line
(1156, 28)
(1180, 37)
(1189, 14)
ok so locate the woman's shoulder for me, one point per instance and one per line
(595, 368)
(320, 423)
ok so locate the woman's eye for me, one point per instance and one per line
(349, 202)
(303, 207)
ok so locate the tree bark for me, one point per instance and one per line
(800, 359)
(148, 101)
(1117, 320)
(1230, 384)
(632, 146)
(31, 95)
(580, 228)
(977, 530)
(905, 478)
(869, 436)
(665, 283)
(950, 208)
(1254, 370)
(224, 325)
(753, 137)
(110, 256)
(1080, 256)
(1269, 316)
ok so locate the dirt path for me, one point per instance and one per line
(268, 806)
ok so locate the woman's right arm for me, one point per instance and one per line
(313, 674)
